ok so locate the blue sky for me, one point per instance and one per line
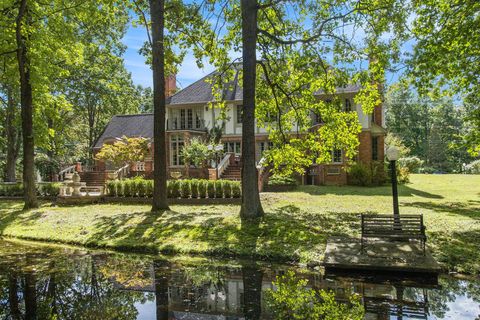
(142, 74)
(188, 71)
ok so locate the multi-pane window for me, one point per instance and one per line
(337, 156)
(176, 146)
(189, 118)
(232, 147)
(239, 114)
(184, 119)
(348, 105)
(374, 148)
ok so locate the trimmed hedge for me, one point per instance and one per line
(185, 188)
(45, 189)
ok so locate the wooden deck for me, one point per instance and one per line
(377, 255)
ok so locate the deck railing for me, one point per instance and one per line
(122, 172)
(223, 165)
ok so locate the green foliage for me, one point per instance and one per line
(281, 180)
(186, 188)
(412, 163)
(46, 189)
(403, 175)
(473, 167)
(47, 166)
(360, 174)
(219, 186)
(211, 189)
(174, 186)
(430, 129)
(124, 151)
(196, 152)
(49, 189)
(195, 188)
(236, 189)
(149, 188)
(111, 188)
(202, 188)
(129, 188)
(227, 188)
(293, 300)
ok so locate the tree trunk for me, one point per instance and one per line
(252, 290)
(11, 133)
(29, 190)
(161, 290)
(251, 205)
(157, 12)
(13, 297)
(30, 296)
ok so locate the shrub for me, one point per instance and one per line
(227, 188)
(186, 188)
(403, 175)
(359, 174)
(280, 180)
(211, 189)
(427, 170)
(173, 189)
(378, 173)
(129, 188)
(112, 188)
(202, 188)
(119, 188)
(473, 167)
(219, 189)
(412, 163)
(194, 188)
(149, 188)
(50, 189)
(141, 186)
(236, 189)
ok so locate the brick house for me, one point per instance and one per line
(188, 115)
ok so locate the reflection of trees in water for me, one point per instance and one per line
(252, 276)
(67, 288)
(448, 292)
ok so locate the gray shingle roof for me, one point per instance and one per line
(135, 125)
(201, 91)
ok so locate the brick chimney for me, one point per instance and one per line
(170, 85)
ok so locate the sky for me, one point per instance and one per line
(142, 74)
(188, 71)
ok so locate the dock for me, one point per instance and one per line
(378, 255)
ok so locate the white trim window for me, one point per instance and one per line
(176, 146)
(232, 147)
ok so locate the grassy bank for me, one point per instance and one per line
(295, 227)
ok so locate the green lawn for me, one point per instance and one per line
(295, 228)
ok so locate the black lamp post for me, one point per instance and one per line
(392, 155)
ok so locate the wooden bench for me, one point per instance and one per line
(409, 226)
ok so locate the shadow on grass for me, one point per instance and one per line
(286, 234)
(470, 208)
(385, 190)
(458, 251)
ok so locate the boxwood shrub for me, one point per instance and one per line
(186, 188)
(46, 189)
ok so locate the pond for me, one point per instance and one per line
(70, 283)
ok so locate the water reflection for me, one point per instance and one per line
(38, 282)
